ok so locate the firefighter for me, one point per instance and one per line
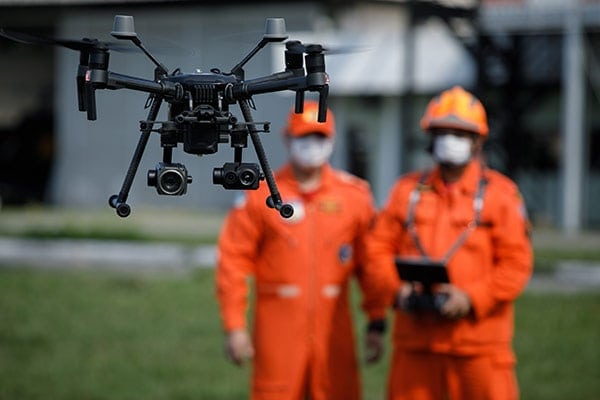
(454, 341)
(302, 344)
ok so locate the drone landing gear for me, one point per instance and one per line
(119, 201)
(123, 209)
(274, 200)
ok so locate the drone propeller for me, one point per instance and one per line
(299, 47)
(73, 44)
(92, 51)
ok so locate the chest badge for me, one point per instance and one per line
(330, 206)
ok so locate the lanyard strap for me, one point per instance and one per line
(414, 198)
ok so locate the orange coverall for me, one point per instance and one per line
(472, 357)
(303, 333)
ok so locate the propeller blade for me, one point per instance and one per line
(73, 44)
(299, 47)
(23, 37)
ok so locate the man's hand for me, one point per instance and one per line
(404, 293)
(373, 346)
(238, 346)
(458, 304)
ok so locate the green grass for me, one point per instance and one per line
(557, 345)
(85, 335)
(189, 227)
(547, 259)
(98, 336)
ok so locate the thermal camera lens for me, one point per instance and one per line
(171, 181)
(247, 177)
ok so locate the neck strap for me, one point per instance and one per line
(414, 198)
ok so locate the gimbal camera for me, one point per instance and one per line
(199, 117)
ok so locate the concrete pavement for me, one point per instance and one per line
(172, 256)
(568, 276)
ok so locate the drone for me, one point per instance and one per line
(198, 117)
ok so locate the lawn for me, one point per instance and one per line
(99, 335)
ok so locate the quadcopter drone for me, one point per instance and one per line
(199, 115)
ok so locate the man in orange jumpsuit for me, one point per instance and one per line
(303, 344)
(454, 342)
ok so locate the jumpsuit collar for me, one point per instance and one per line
(467, 183)
(287, 174)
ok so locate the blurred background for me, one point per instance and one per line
(68, 330)
(534, 64)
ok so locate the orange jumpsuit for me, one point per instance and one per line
(303, 335)
(472, 357)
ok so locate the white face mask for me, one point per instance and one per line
(450, 149)
(310, 151)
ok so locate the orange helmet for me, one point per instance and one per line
(457, 109)
(306, 122)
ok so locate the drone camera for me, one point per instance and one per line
(169, 179)
(241, 176)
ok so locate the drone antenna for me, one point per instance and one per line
(123, 29)
(274, 32)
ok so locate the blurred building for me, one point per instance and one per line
(534, 64)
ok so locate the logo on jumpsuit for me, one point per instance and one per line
(345, 253)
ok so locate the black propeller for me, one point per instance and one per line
(92, 53)
(73, 44)
(299, 47)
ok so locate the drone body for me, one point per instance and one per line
(199, 115)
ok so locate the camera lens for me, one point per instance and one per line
(171, 181)
(230, 178)
(237, 176)
(247, 177)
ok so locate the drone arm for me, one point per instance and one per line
(163, 88)
(278, 76)
(317, 82)
(273, 83)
